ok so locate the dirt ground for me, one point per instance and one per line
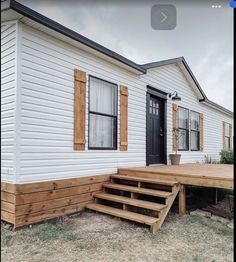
(100, 238)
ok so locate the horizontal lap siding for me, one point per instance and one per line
(47, 112)
(8, 88)
(24, 204)
(169, 79)
(41, 201)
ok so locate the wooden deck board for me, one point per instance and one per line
(208, 175)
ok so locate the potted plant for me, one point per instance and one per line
(175, 158)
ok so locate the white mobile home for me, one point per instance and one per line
(73, 110)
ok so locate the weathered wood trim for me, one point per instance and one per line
(48, 214)
(59, 184)
(7, 206)
(8, 197)
(22, 199)
(223, 135)
(10, 188)
(123, 118)
(174, 125)
(31, 203)
(231, 136)
(79, 109)
(9, 217)
(201, 132)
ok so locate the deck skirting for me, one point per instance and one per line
(24, 204)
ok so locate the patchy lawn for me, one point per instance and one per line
(96, 237)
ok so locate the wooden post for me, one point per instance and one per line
(182, 200)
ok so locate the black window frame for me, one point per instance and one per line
(195, 131)
(115, 117)
(228, 137)
(187, 130)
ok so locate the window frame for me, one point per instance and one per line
(228, 137)
(187, 130)
(115, 117)
(199, 131)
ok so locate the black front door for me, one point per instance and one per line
(155, 130)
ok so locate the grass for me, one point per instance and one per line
(94, 237)
(221, 230)
(43, 232)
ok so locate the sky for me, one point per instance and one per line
(203, 35)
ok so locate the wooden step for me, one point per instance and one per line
(147, 220)
(145, 180)
(131, 201)
(140, 190)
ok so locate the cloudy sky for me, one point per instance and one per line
(203, 35)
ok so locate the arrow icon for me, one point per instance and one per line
(164, 17)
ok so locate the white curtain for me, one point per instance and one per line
(195, 121)
(102, 97)
(182, 141)
(102, 100)
(101, 131)
(194, 141)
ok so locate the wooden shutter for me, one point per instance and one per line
(231, 136)
(201, 132)
(223, 135)
(79, 109)
(174, 125)
(123, 118)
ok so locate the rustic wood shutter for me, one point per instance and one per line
(174, 125)
(223, 135)
(123, 118)
(79, 109)
(231, 136)
(201, 132)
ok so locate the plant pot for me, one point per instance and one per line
(175, 159)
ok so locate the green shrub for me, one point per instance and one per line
(227, 156)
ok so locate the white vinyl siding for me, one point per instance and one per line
(170, 78)
(8, 90)
(47, 112)
(46, 104)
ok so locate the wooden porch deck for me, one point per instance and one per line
(206, 175)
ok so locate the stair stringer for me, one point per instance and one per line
(162, 215)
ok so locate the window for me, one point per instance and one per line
(102, 114)
(153, 107)
(227, 136)
(183, 137)
(195, 131)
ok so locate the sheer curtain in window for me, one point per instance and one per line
(102, 108)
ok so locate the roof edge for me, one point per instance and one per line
(221, 108)
(5, 5)
(163, 62)
(37, 17)
(182, 59)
